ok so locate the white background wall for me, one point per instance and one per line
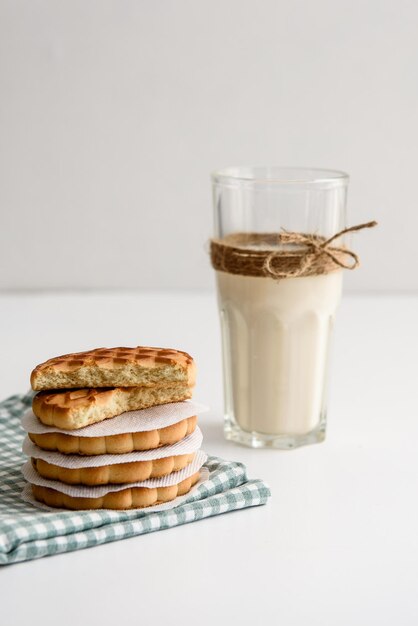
(113, 113)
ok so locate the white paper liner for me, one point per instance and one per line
(159, 416)
(71, 461)
(83, 491)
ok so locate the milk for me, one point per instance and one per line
(276, 337)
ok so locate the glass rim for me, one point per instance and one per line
(278, 175)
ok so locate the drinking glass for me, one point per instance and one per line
(276, 332)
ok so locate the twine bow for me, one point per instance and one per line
(251, 254)
(317, 247)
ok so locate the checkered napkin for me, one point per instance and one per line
(28, 533)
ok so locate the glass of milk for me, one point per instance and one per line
(276, 332)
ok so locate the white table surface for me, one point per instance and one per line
(338, 542)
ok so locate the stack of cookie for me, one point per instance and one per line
(93, 439)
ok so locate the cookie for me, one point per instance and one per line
(115, 444)
(118, 473)
(115, 367)
(72, 409)
(130, 498)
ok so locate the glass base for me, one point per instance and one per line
(233, 432)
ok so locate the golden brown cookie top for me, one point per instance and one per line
(104, 367)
